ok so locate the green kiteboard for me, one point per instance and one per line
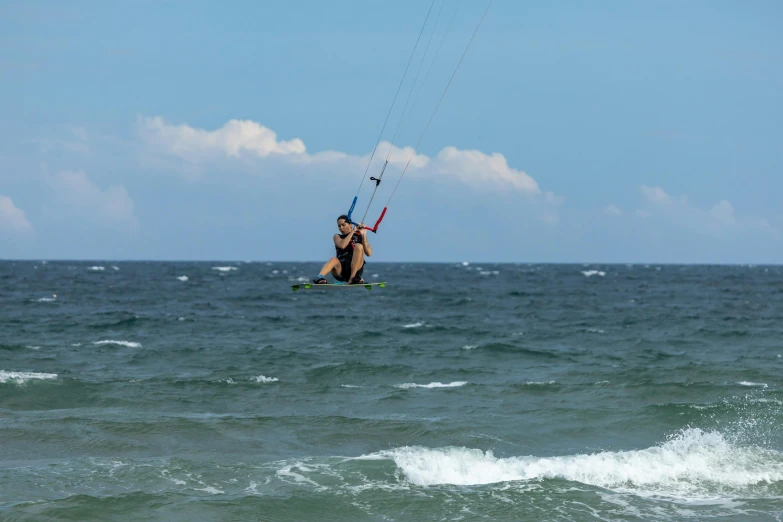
(308, 286)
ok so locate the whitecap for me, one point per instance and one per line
(183, 278)
(96, 268)
(23, 377)
(407, 385)
(691, 465)
(224, 268)
(129, 344)
(470, 347)
(262, 379)
(210, 489)
(414, 325)
(349, 386)
(47, 299)
(748, 383)
(589, 273)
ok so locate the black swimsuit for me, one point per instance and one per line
(345, 256)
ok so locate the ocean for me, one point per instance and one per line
(195, 391)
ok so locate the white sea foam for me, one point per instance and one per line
(183, 278)
(465, 263)
(115, 267)
(262, 379)
(23, 377)
(589, 273)
(129, 344)
(470, 347)
(96, 268)
(47, 299)
(413, 325)
(748, 383)
(407, 385)
(692, 465)
(211, 490)
(540, 383)
(349, 386)
(224, 268)
(595, 330)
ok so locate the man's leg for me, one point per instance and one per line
(333, 265)
(357, 261)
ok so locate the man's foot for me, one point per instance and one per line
(356, 280)
(320, 281)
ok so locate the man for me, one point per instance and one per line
(351, 245)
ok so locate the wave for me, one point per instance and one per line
(129, 344)
(408, 385)
(693, 464)
(24, 377)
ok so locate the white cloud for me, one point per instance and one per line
(656, 195)
(719, 220)
(723, 212)
(13, 219)
(613, 210)
(232, 139)
(75, 189)
(470, 167)
(475, 168)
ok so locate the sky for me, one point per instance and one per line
(572, 132)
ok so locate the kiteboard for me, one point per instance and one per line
(308, 286)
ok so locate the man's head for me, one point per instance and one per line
(344, 224)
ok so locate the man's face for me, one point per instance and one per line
(343, 226)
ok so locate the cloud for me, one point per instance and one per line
(656, 195)
(720, 220)
(475, 168)
(613, 210)
(235, 138)
(250, 140)
(75, 190)
(13, 219)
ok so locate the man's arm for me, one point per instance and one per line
(343, 242)
(366, 243)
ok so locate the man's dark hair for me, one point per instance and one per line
(343, 216)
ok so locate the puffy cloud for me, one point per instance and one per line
(723, 212)
(471, 167)
(656, 195)
(232, 139)
(74, 189)
(475, 168)
(12, 218)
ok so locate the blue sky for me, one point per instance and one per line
(573, 131)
